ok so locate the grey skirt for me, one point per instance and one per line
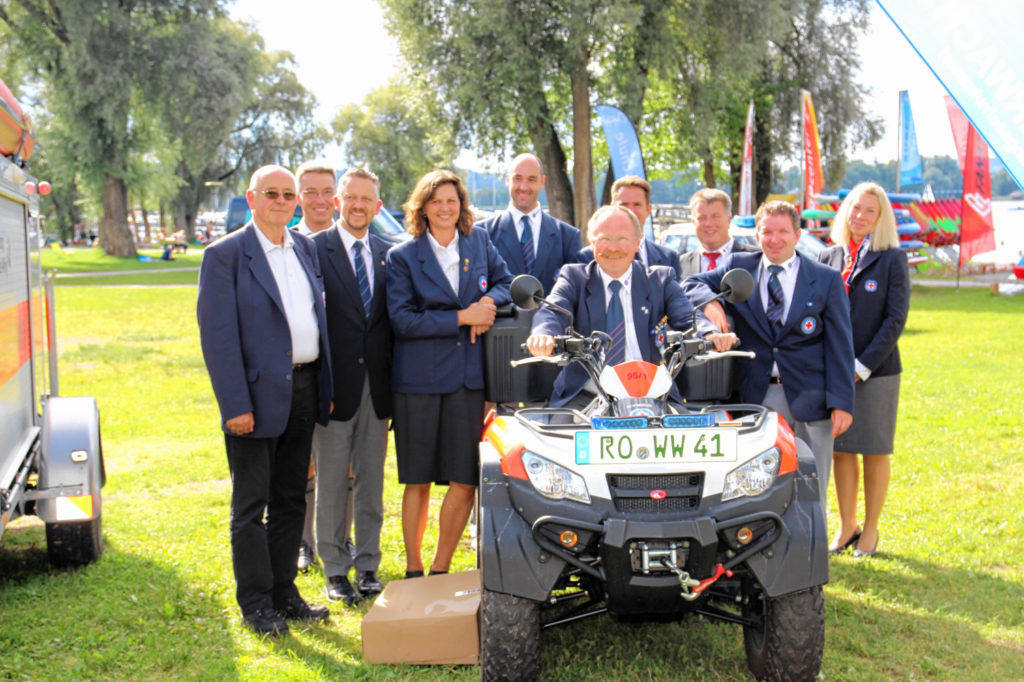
(874, 417)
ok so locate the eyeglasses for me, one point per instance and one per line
(274, 194)
(313, 194)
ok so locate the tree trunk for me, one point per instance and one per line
(114, 232)
(145, 222)
(762, 160)
(609, 180)
(548, 147)
(582, 166)
(708, 165)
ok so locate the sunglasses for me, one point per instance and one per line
(273, 194)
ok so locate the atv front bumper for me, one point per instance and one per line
(528, 542)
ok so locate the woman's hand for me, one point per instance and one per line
(479, 316)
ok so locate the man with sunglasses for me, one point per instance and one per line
(263, 331)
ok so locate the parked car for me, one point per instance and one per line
(682, 237)
(384, 224)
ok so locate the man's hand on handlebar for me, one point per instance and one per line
(723, 342)
(540, 345)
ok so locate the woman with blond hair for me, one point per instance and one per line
(444, 286)
(874, 269)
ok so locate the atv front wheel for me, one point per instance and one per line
(789, 641)
(509, 638)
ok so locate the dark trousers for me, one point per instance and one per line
(268, 502)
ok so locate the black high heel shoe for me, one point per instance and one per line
(849, 543)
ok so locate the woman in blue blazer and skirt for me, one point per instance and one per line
(444, 286)
(874, 269)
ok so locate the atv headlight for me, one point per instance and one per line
(754, 477)
(554, 481)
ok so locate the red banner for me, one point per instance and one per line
(958, 122)
(976, 233)
(747, 169)
(813, 182)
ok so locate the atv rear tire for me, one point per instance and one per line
(509, 638)
(74, 543)
(790, 641)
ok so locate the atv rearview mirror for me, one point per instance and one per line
(526, 291)
(737, 285)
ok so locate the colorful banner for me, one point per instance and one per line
(958, 122)
(747, 169)
(976, 232)
(813, 181)
(911, 171)
(976, 52)
(623, 147)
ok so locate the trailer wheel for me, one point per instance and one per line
(789, 641)
(509, 638)
(74, 543)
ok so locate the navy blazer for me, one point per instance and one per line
(689, 262)
(580, 289)
(432, 352)
(656, 255)
(358, 344)
(244, 334)
(559, 243)
(879, 301)
(814, 347)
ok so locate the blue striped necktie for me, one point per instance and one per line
(776, 297)
(361, 279)
(615, 323)
(526, 243)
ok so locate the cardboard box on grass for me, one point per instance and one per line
(430, 620)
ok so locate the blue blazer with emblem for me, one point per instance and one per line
(655, 293)
(244, 334)
(559, 243)
(879, 301)
(656, 255)
(432, 352)
(814, 347)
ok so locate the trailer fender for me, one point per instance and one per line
(71, 470)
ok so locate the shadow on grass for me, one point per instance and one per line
(123, 617)
(936, 621)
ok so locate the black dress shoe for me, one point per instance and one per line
(846, 545)
(306, 557)
(265, 622)
(296, 608)
(368, 585)
(413, 574)
(338, 588)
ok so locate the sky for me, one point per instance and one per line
(322, 33)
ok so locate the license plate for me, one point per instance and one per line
(656, 446)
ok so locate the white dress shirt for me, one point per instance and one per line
(626, 298)
(787, 278)
(296, 297)
(348, 240)
(724, 256)
(535, 216)
(448, 258)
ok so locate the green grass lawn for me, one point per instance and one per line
(942, 600)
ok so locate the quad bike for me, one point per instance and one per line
(648, 509)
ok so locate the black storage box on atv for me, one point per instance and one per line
(503, 344)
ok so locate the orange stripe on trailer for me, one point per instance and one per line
(14, 340)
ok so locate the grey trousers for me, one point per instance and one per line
(360, 442)
(817, 435)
